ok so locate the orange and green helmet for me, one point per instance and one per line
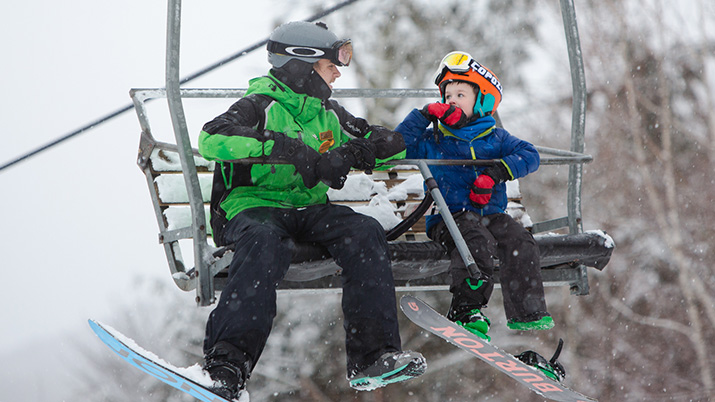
(460, 66)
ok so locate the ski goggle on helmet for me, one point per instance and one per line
(461, 66)
(307, 42)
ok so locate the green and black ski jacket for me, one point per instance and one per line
(240, 133)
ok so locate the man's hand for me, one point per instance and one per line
(295, 152)
(334, 166)
(363, 150)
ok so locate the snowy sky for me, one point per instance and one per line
(78, 226)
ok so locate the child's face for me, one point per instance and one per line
(461, 95)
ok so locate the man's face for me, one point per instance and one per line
(461, 95)
(327, 70)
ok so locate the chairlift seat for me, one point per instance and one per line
(416, 260)
(570, 265)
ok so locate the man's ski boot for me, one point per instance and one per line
(551, 368)
(391, 367)
(229, 368)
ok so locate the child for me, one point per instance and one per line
(476, 196)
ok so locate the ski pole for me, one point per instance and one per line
(431, 184)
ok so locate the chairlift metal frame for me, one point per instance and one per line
(208, 263)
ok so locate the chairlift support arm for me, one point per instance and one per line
(198, 231)
(578, 116)
(205, 286)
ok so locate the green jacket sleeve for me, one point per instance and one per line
(238, 133)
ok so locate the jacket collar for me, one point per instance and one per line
(477, 129)
(302, 107)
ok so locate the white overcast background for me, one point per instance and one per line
(78, 229)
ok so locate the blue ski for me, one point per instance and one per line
(140, 360)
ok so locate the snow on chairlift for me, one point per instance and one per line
(179, 182)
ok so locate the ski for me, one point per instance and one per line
(154, 366)
(426, 317)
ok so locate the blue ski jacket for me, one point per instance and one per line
(480, 139)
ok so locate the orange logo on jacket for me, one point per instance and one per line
(327, 141)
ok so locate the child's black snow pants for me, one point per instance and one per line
(497, 236)
(264, 239)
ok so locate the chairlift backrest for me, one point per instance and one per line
(179, 183)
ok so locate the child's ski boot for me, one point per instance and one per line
(551, 368)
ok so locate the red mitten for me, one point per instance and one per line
(448, 114)
(481, 191)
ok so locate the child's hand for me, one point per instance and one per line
(482, 188)
(481, 191)
(450, 115)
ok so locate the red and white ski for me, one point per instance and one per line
(426, 317)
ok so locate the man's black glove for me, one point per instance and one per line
(295, 152)
(334, 166)
(363, 150)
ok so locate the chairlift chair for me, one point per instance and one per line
(179, 182)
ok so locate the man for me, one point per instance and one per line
(263, 209)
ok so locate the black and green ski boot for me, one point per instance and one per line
(471, 319)
(468, 301)
(551, 368)
(391, 367)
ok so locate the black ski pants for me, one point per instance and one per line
(497, 236)
(264, 239)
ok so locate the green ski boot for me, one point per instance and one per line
(542, 323)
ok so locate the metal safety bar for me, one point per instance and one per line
(174, 94)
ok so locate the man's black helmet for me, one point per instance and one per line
(307, 42)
